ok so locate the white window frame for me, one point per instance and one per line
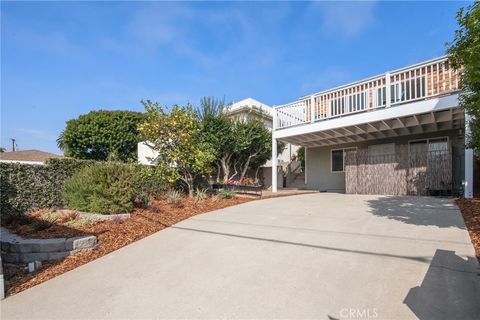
(428, 141)
(331, 158)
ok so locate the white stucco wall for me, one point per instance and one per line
(145, 154)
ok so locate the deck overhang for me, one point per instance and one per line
(426, 116)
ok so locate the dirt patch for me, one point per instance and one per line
(113, 235)
(470, 209)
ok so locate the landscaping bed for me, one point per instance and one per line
(470, 209)
(47, 224)
(112, 235)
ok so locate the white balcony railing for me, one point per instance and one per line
(422, 81)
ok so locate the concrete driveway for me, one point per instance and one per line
(324, 256)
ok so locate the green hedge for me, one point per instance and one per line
(24, 187)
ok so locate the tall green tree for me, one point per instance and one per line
(253, 145)
(176, 136)
(238, 146)
(218, 131)
(464, 54)
(102, 135)
(210, 107)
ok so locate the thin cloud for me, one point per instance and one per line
(346, 19)
(168, 25)
(233, 34)
(53, 43)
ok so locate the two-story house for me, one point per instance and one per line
(398, 133)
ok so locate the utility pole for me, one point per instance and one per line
(13, 144)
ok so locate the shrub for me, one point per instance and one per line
(25, 187)
(226, 194)
(80, 222)
(200, 195)
(152, 180)
(144, 200)
(106, 188)
(174, 197)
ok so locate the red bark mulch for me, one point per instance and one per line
(111, 235)
(470, 209)
(35, 225)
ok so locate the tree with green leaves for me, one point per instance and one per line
(238, 146)
(464, 55)
(218, 130)
(253, 147)
(102, 135)
(301, 157)
(210, 107)
(176, 136)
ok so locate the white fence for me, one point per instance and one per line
(422, 81)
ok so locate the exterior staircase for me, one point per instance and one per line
(298, 182)
(295, 176)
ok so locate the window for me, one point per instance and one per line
(338, 159)
(434, 144)
(438, 144)
(418, 146)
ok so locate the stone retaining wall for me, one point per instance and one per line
(16, 249)
(2, 283)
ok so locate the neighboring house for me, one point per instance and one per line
(399, 133)
(244, 110)
(251, 109)
(28, 156)
(145, 154)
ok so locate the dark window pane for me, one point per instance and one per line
(337, 160)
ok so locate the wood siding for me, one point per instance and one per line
(401, 173)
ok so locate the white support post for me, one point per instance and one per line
(313, 109)
(388, 98)
(468, 182)
(274, 118)
(274, 165)
(274, 152)
(305, 173)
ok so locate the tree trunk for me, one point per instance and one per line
(234, 168)
(247, 163)
(225, 163)
(188, 179)
(245, 167)
(256, 173)
(219, 168)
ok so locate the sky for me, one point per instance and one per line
(63, 59)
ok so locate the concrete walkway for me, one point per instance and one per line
(323, 256)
